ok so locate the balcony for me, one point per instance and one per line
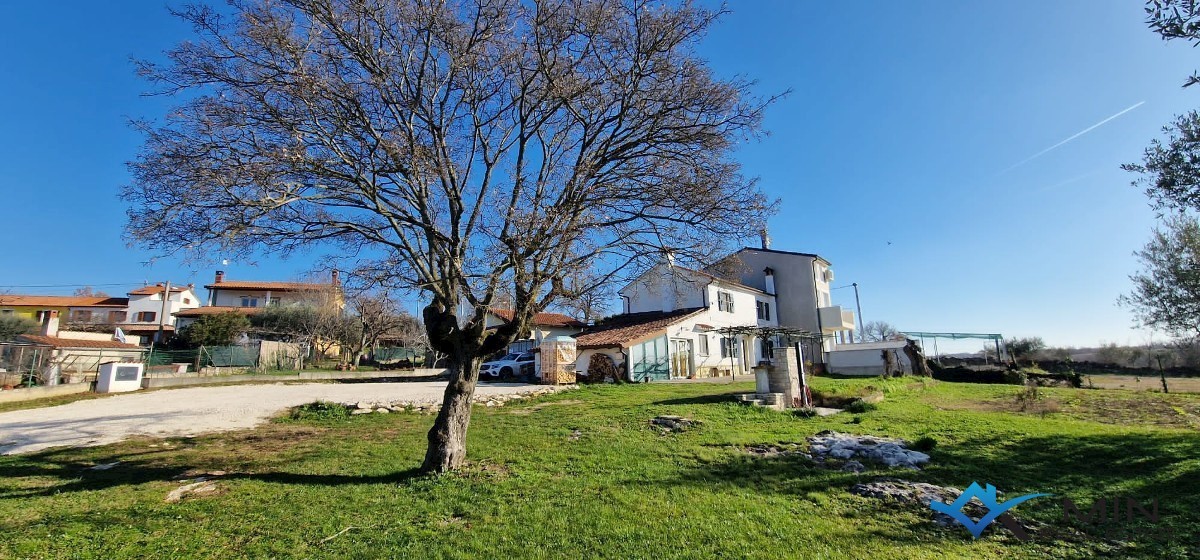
(835, 319)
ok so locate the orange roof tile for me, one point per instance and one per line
(263, 285)
(543, 319)
(144, 327)
(7, 300)
(157, 289)
(77, 342)
(216, 310)
(618, 330)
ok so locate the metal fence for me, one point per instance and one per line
(23, 364)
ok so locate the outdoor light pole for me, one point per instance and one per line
(858, 306)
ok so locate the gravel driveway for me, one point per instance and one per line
(198, 410)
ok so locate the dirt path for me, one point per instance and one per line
(197, 410)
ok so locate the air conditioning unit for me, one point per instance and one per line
(828, 275)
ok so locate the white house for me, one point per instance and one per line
(801, 285)
(671, 322)
(151, 307)
(672, 316)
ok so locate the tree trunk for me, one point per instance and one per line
(919, 367)
(358, 352)
(448, 438)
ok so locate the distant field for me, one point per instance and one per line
(1136, 383)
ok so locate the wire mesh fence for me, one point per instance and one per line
(22, 365)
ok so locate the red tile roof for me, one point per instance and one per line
(619, 330)
(77, 342)
(144, 328)
(544, 319)
(273, 286)
(157, 289)
(216, 310)
(7, 300)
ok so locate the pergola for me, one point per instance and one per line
(792, 334)
(921, 335)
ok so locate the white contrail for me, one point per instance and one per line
(1069, 181)
(1072, 137)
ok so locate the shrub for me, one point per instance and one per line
(320, 411)
(1015, 377)
(11, 326)
(924, 444)
(859, 406)
(806, 412)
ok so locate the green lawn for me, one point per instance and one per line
(582, 475)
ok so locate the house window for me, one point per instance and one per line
(187, 300)
(248, 301)
(41, 315)
(728, 346)
(116, 316)
(768, 348)
(146, 316)
(274, 302)
(81, 315)
(702, 345)
(6, 312)
(764, 310)
(725, 302)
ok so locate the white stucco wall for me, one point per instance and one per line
(153, 303)
(866, 359)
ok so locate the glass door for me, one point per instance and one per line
(681, 358)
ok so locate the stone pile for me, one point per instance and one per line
(907, 494)
(911, 494)
(668, 424)
(851, 448)
(385, 407)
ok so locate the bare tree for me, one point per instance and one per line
(377, 315)
(878, 331)
(87, 291)
(459, 148)
(314, 317)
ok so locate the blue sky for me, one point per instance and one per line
(905, 124)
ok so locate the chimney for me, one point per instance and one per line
(769, 280)
(765, 237)
(334, 274)
(220, 277)
(669, 257)
(50, 323)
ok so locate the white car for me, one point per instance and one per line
(511, 365)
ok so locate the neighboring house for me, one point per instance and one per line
(543, 326)
(70, 309)
(249, 296)
(256, 293)
(76, 356)
(149, 309)
(189, 316)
